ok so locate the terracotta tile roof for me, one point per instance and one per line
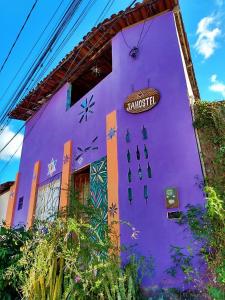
(90, 47)
(4, 187)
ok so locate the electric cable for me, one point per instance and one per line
(18, 35)
(105, 10)
(24, 123)
(63, 42)
(63, 80)
(2, 125)
(57, 34)
(28, 56)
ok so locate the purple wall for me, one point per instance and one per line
(171, 143)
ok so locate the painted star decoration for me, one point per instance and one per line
(99, 172)
(113, 210)
(86, 109)
(52, 167)
(111, 133)
(66, 159)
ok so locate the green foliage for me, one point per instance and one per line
(208, 228)
(216, 293)
(11, 241)
(210, 125)
(67, 259)
(214, 206)
(182, 261)
(210, 115)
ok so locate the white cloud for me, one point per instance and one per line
(5, 137)
(219, 2)
(207, 33)
(217, 86)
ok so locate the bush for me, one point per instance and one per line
(11, 241)
(67, 259)
(208, 228)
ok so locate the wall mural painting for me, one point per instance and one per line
(149, 171)
(86, 106)
(145, 152)
(144, 133)
(83, 150)
(128, 136)
(113, 210)
(138, 153)
(52, 167)
(66, 159)
(146, 192)
(130, 196)
(129, 175)
(128, 156)
(111, 133)
(142, 171)
(140, 175)
(98, 190)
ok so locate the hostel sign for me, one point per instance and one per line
(141, 101)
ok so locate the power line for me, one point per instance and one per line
(63, 80)
(2, 127)
(12, 139)
(58, 50)
(64, 21)
(105, 10)
(18, 35)
(22, 127)
(63, 43)
(27, 57)
(68, 36)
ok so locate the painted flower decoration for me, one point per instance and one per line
(66, 159)
(98, 172)
(87, 149)
(111, 133)
(113, 210)
(86, 109)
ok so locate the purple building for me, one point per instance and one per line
(114, 121)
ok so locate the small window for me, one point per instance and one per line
(20, 203)
(82, 185)
(92, 75)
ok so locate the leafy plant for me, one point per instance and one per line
(182, 261)
(11, 241)
(208, 228)
(210, 125)
(68, 259)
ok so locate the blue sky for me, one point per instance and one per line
(204, 22)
